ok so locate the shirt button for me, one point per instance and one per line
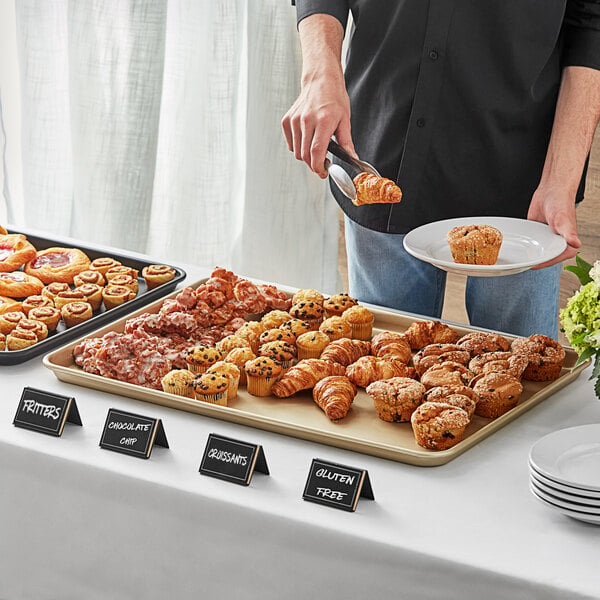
(433, 55)
(421, 122)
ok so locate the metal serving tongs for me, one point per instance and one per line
(340, 176)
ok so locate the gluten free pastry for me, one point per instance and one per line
(58, 264)
(475, 244)
(371, 189)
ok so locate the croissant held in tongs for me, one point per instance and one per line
(334, 395)
(371, 189)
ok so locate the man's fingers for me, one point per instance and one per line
(344, 138)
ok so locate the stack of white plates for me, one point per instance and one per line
(564, 469)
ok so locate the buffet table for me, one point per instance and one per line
(79, 521)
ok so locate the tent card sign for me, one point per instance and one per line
(336, 485)
(132, 434)
(232, 460)
(45, 412)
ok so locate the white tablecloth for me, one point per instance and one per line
(81, 522)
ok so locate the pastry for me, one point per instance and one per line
(446, 373)
(305, 375)
(397, 398)
(296, 326)
(436, 393)
(39, 328)
(17, 284)
(336, 304)
(239, 357)
(434, 354)
(545, 357)
(9, 305)
(489, 362)
(438, 426)
(308, 295)
(3, 230)
(89, 276)
(371, 189)
(346, 351)
(276, 335)
(311, 312)
(200, 357)
(92, 293)
(121, 270)
(361, 320)
(155, 275)
(115, 295)
(179, 382)
(230, 342)
(53, 289)
(211, 387)
(334, 395)
(75, 313)
(15, 251)
(10, 320)
(261, 374)
(475, 244)
(479, 342)
(58, 264)
(368, 369)
(32, 302)
(497, 393)
(103, 264)
(20, 339)
(459, 400)
(124, 280)
(68, 296)
(49, 315)
(311, 344)
(387, 344)
(251, 331)
(274, 319)
(335, 328)
(423, 333)
(232, 372)
(281, 352)
(2, 342)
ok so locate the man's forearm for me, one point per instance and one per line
(576, 118)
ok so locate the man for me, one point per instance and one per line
(474, 109)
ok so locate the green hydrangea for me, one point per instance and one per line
(580, 318)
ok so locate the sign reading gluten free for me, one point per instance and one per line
(336, 485)
(45, 412)
(132, 434)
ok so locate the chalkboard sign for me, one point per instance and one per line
(336, 485)
(232, 460)
(132, 434)
(45, 412)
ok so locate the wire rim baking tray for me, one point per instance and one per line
(63, 335)
(361, 431)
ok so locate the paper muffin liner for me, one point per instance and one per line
(220, 398)
(260, 386)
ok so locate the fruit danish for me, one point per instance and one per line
(17, 284)
(15, 251)
(8, 304)
(371, 189)
(58, 264)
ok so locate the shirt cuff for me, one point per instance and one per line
(582, 48)
(335, 8)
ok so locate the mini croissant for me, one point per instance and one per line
(305, 375)
(368, 369)
(346, 351)
(334, 395)
(371, 189)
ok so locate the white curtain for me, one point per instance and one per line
(154, 126)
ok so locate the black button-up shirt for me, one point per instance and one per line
(455, 99)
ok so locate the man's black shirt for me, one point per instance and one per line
(455, 99)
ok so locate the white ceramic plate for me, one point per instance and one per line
(570, 456)
(575, 514)
(587, 504)
(525, 244)
(554, 487)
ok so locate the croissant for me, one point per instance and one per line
(390, 345)
(371, 189)
(368, 369)
(423, 333)
(346, 351)
(334, 395)
(305, 375)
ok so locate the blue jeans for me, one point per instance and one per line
(381, 272)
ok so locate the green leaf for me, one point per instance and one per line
(596, 369)
(581, 270)
(579, 339)
(587, 353)
(597, 388)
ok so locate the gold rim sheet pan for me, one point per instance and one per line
(298, 416)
